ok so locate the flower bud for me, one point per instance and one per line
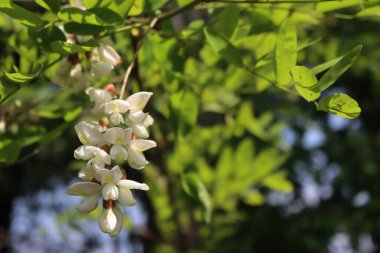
(107, 220)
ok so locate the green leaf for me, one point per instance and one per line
(341, 105)
(285, 52)
(121, 7)
(83, 29)
(24, 78)
(195, 188)
(371, 11)
(339, 68)
(69, 48)
(278, 182)
(253, 198)
(47, 35)
(9, 151)
(137, 8)
(16, 12)
(72, 14)
(306, 83)
(72, 114)
(223, 47)
(108, 16)
(227, 21)
(51, 5)
(185, 106)
(326, 65)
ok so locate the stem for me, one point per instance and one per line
(130, 67)
(181, 10)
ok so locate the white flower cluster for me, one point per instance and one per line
(102, 60)
(104, 147)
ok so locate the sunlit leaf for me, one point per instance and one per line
(16, 12)
(306, 83)
(341, 105)
(51, 5)
(70, 48)
(223, 47)
(227, 21)
(285, 52)
(339, 68)
(278, 182)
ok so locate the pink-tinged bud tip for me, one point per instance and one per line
(110, 88)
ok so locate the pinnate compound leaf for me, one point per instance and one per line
(285, 52)
(194, 187)
(306, 83)
(341, 105)
(230, 53)
(339, 68)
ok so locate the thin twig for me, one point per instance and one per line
(130, 67)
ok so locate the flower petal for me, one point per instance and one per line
(137, 116)
(83, 189)
(139, 100)
(126, 197)
(118, 152)
(85, 152)
(142, 145)
(89, 134)
(99, 69)
(107, 220)
(130, 184)
(108, 55)
(110, 191)
(87, 173)
(115, 135)
(116, 119)
(140, 130)
(119, 224)
(136, 159)
(98, 96)
(88, 204)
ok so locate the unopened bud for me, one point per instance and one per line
(110, 88)
(103, 122)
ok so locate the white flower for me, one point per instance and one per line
(90, 191)
(98, 96)
(96, 157)
(103, 60)
(109, 179)
(126, 148)
(125, 195)
(107, 220)
(119, 138)
(115, 108)
(89, 133)
(87, 173)
(137, 119)
(139, 122)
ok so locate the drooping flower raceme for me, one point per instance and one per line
(105, 149)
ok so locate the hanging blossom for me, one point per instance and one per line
(102, 59)
(105, 148)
